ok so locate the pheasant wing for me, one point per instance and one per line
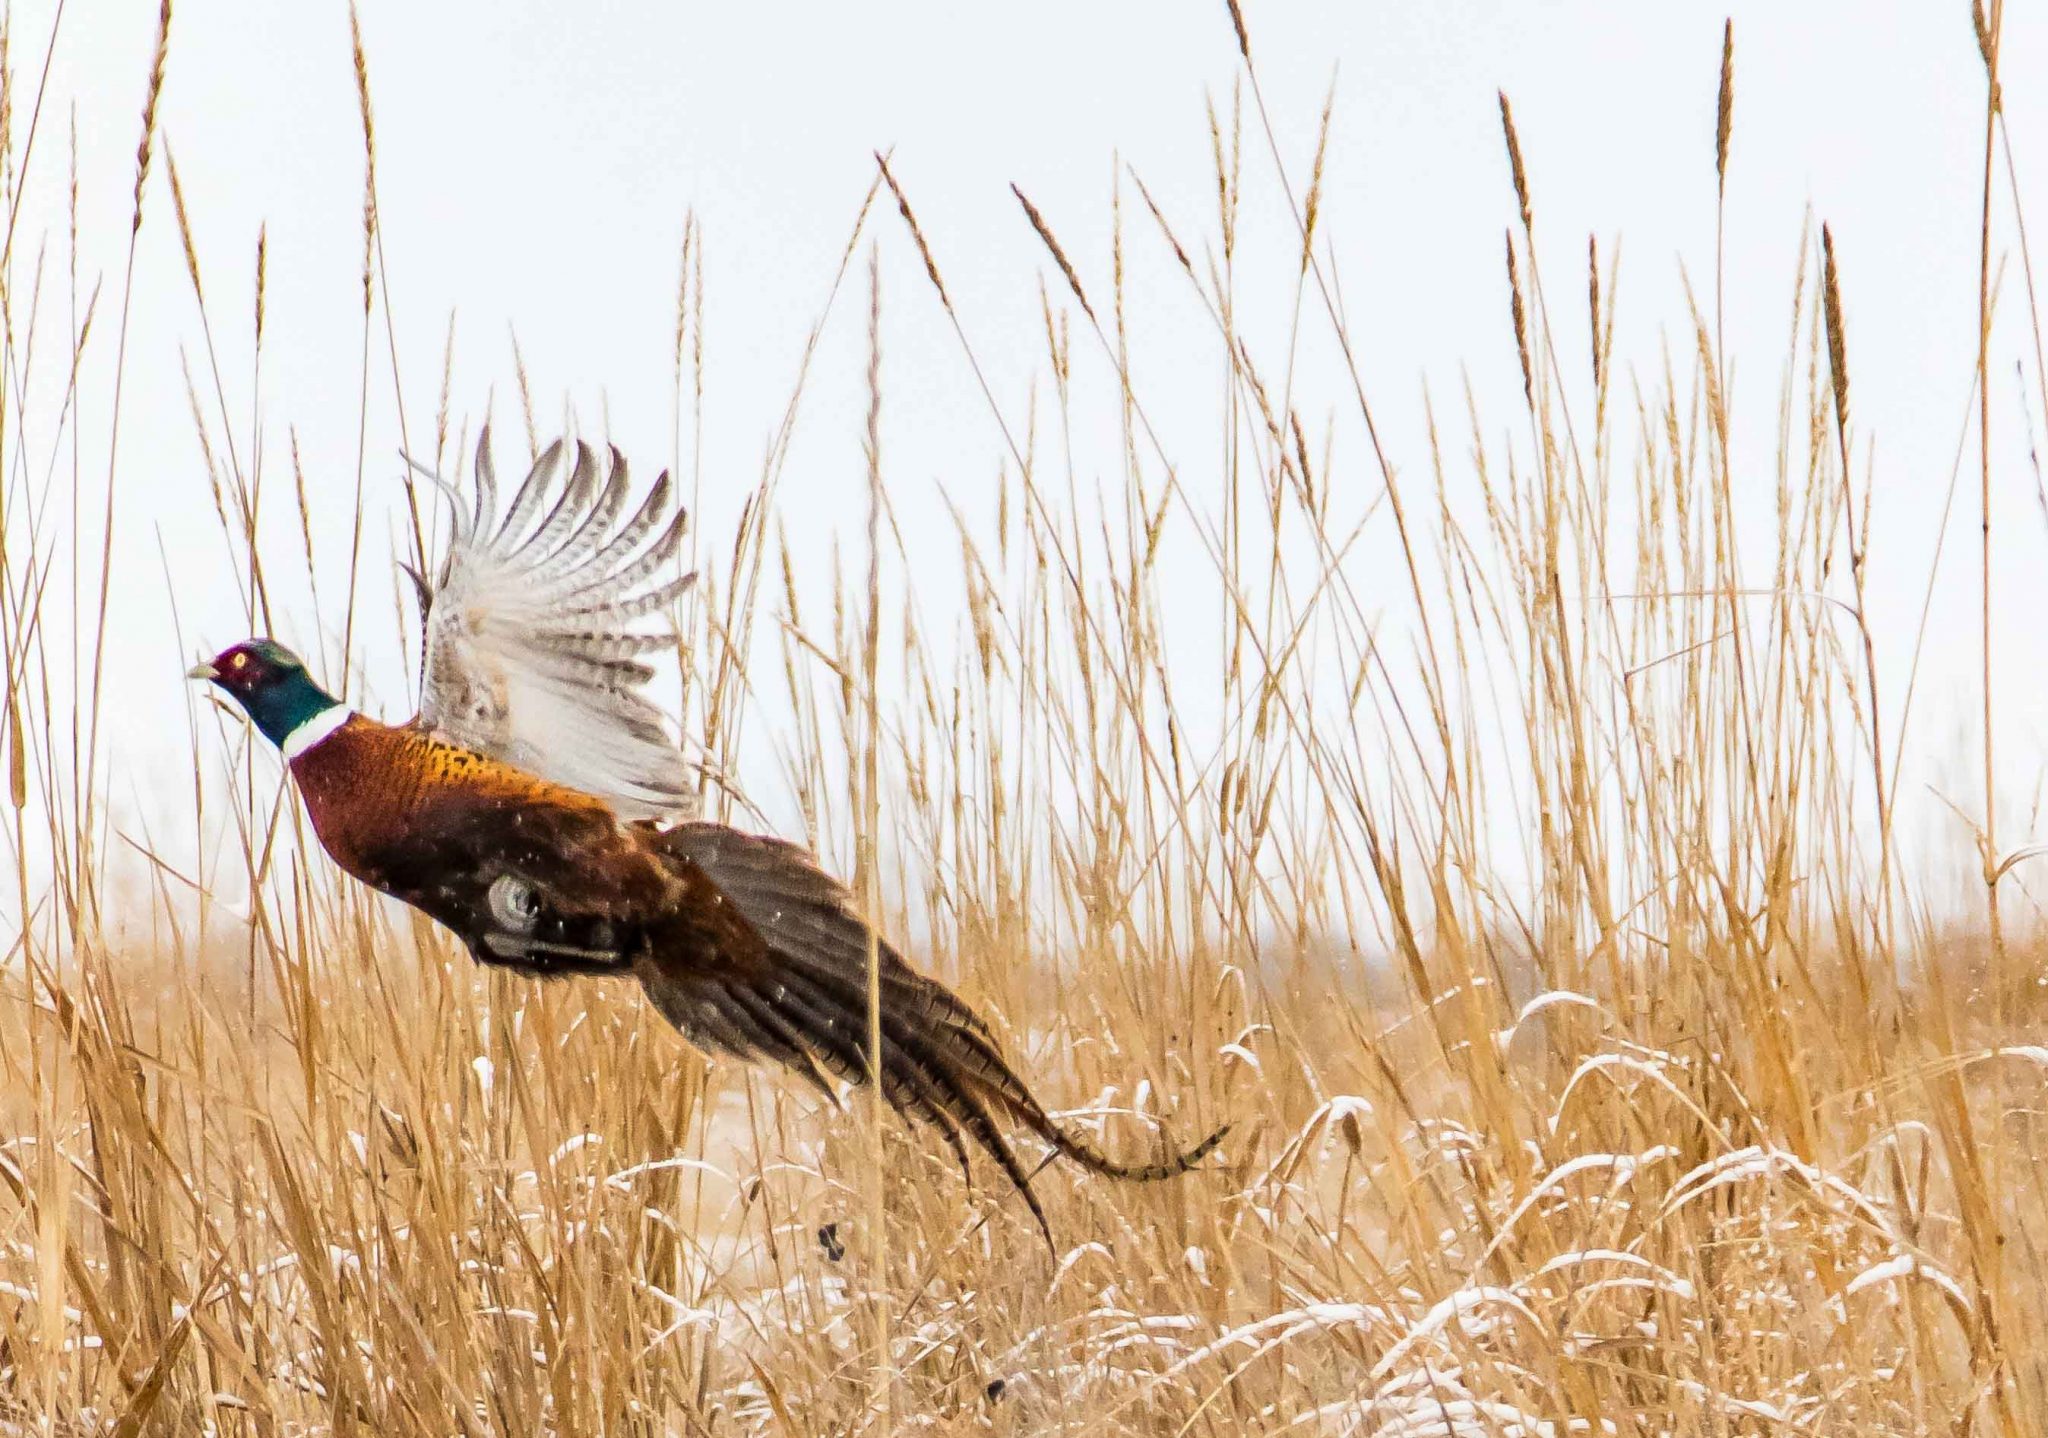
(537, 620)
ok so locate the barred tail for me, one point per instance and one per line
(800, 997)
(1072, 1146)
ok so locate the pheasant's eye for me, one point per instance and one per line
(514, 904)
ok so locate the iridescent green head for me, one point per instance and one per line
(280, 697)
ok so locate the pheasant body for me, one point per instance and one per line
(740, 940)
(438, 826)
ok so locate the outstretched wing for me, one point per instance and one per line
(536, 621)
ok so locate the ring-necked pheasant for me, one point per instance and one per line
(534, 806)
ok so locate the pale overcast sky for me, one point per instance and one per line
(536, 162)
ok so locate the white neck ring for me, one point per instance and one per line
(314, 731)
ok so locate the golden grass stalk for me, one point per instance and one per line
(924, 250)
(1989, 29)
(1838, 350)
(159, 58)
(262, 276)
(1724, 107)
(369, 119)
(1521, 179)
(184, 224)
(1312, 207)
(1059, 255)
(1519, 315)
(868, 866)
(1244, 40)
(1592, 301)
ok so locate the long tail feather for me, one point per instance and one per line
(917, 1081)
(801, 1000)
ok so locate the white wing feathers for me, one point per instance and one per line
(532, 632)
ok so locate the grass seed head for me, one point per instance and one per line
(1521, 178)
(1838, 352)
(1724, 108)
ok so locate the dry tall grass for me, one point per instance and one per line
(1596, 1068)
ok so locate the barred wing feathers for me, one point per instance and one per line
(536, 622)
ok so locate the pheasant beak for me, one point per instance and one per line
(202, 671)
